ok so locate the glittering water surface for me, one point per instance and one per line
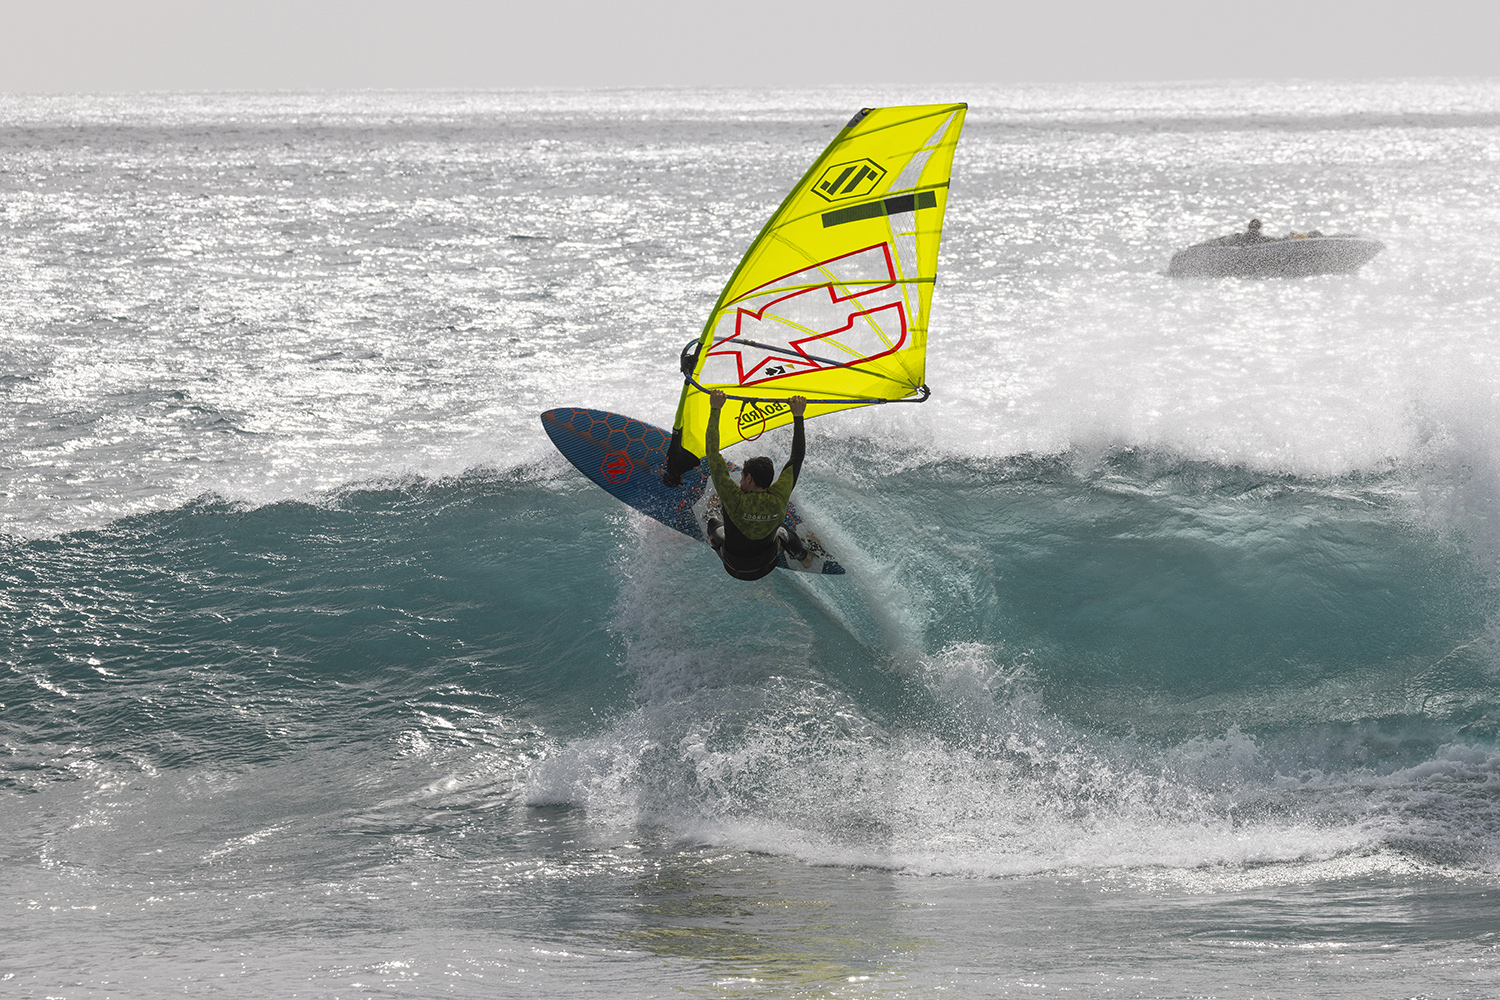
(1165, 665)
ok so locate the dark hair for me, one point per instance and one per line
(761, 471)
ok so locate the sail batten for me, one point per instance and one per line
(832, 299)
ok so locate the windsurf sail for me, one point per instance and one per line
(832, 300)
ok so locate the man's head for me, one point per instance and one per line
(1255, 225)
(759, 471)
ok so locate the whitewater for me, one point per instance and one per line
(1166, 662)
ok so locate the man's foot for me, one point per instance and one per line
(791, 544)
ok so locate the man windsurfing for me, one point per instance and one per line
(751, 537)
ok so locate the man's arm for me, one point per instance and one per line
(799, 405)
(718, 469)
(715, 404)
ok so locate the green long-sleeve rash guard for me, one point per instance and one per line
(757, 515)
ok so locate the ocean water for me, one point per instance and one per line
(1165, 666)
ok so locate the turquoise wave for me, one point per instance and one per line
(1150, 616)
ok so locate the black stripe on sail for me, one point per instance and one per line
(854, 213)
(902, 203)
(875, 209)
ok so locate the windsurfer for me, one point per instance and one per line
(751, 535)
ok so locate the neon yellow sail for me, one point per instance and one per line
(832, 300)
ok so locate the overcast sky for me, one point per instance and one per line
(96, 46)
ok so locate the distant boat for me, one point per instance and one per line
(1251, 255)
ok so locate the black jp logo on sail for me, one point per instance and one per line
(899, 205)
(849, 180)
